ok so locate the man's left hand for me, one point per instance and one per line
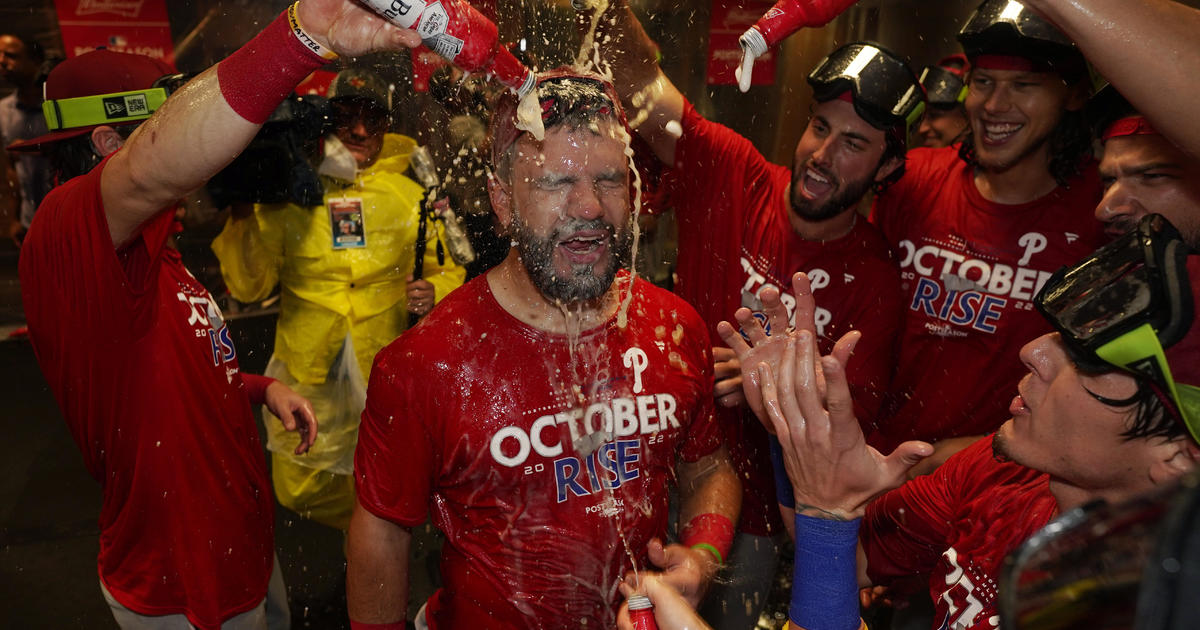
(295, 412)
(420, 296)
(688, 570)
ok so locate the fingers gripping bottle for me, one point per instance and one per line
(641, 613)
(781, 20)
(460, 34)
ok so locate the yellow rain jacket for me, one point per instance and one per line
(326, 292)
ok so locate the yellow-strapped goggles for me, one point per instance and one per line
(1121, 306)
(102, 109)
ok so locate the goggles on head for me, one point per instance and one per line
(1008, 19)
(1121, 306)
(884, 90)
(943, 87)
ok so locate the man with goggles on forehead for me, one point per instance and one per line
(945, 120)
(746, 224)
(979, 227)
(1107, 410)
(1147, 48)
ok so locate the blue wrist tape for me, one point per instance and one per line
(825, 576)
(783, 485)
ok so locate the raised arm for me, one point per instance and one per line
(1146, 48)
(376, 569)
(204, 125)
(650, 99)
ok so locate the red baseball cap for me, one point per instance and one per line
(95, 73)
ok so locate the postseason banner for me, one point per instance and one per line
(731, 18)
(131, 26)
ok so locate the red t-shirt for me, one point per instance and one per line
(143, 368)
(970, 269)
(957, 525)
(498, 429)
(735, 239)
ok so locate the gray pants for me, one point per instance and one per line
(270, 614)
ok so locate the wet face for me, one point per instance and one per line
(1146, 174)
(1058, 427)
(942, 126)
(1013, 112)
(836, 161)
(16, 67)
(360, 126)
(568, 210)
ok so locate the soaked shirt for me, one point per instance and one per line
(144, 370)
(957, 525)
(735, 239)
(545, 459)
(970, 269)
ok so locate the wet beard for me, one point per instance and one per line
(584, 282)
(847, 196)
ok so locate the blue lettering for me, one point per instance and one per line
(966, 305)
(591, 470)
(565, 472)
(948, 304)
(627, 455)
(216, 346)
(604, 456)
(927, 291)
(227, 351)
(989, 313)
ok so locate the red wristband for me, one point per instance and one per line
(710, 531)
(256, 387)
(258, 76)
(358, 625)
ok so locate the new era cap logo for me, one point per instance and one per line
(125, 106)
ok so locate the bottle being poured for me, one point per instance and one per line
(460, 34)
(781, 20)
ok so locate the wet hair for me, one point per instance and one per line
(569, 102)
(1150, 413)
(1070, 146)
(75, 156)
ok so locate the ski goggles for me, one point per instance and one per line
(884, 90)
(1009, 18)
(943, 87)
(1123, 305)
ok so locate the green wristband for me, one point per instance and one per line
(712, 549)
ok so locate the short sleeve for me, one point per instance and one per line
(69, 265)
(712, 161)
(394, 461)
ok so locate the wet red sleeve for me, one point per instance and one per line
(394, 462)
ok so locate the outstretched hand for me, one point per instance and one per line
(765, 345)
(834, 473)
(294, 411)
(350, 28)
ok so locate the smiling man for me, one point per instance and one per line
(537, 420)
(979, 228)
(746, 225)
